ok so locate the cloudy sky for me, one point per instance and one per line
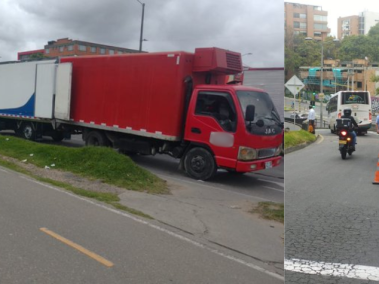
(245, 26)
(345, 8)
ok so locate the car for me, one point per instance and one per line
(299, 118)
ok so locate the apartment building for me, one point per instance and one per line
(347, 26)
(69, 47)
(308, 20)
(356, 24)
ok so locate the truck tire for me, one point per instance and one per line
(27, 132)
(200, 164)
(96, 138)
(57, 136)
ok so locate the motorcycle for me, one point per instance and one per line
(345, 141)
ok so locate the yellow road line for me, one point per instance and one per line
(78, 247)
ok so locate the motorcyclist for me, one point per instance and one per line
(347, 114)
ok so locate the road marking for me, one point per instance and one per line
(78, 247)
(197, 244)
(280, 190)
(332, 269)
(321, 139)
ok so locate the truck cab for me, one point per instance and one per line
(233, 127)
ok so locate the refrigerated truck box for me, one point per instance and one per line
(142, 94)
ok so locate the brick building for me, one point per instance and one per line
(69, 47)
(357, 25)
(348, 26)
(308, 20)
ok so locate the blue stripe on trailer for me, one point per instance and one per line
(26, 110)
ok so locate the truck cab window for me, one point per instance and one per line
(219, 106)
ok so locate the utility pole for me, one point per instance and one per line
(141, 33)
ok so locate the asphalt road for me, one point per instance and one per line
(332, 213)
(128, 249)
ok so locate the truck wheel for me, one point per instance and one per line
(57, 136)
(200, 164)
(27, 132)
(96, 138)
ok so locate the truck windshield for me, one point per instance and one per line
(266, 120)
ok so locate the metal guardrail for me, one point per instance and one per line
(304, 123)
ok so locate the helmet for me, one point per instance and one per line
(347, 111)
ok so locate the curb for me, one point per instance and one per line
(300, 146)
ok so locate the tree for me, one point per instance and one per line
(375, 79)
(354, 46)
(36, 56)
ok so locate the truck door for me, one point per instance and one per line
(212, 120)
(63, 91)
(45, 84)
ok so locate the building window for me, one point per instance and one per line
(102, 50)
(61, 48)
(296, 25)
(93, 49)
(320, 27)
(111, 51)
(320, 18)
(299, 16)
(82, 47)
(119, 52)
(303, 25)
(70, 47)
(317, 34)
(47, 50)
(359, 84)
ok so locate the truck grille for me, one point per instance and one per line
(266, 153)
(233, 61)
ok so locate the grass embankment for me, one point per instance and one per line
(293, 138)
(270, 211)
(94, 163)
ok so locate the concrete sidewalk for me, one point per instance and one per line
(216, 216)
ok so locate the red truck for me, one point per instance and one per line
(174, 103)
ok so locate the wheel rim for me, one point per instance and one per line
(28, 132)
(198, 164)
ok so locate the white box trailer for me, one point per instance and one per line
(34, 95)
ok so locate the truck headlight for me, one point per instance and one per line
(246, 154)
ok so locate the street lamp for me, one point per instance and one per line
(321, 72)
(141, 34)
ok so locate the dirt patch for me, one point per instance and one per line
(66, 177)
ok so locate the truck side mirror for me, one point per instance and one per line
(250, 112)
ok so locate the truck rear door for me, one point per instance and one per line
(63, 91)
